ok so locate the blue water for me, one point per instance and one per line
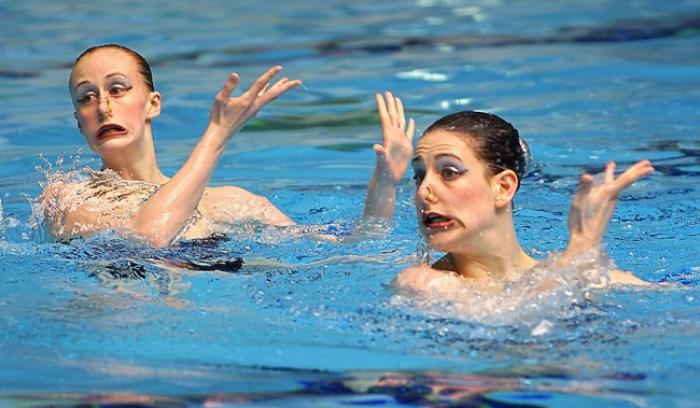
(307, 323)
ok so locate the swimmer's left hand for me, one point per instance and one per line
(594, 204)
(229, 114)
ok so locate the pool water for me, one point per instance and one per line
(309, 323)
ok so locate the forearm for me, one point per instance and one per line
(164, 215)
(381, 196)
(393, 156)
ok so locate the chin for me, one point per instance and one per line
(111, 144)
(442, 241)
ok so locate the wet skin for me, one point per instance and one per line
(455, 196)
(112, 103)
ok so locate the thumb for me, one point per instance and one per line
(378, 149)
(585, 182)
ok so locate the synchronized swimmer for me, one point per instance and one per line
(467, 165)
(115, 103)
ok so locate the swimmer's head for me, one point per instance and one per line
(111, 87)
(496, 142)
(142, 65)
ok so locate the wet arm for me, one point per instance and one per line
(591, 211)
(162, 217)
(393, 156)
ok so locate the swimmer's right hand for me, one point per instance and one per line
(393, 156)
(229, 114)
(395, 151)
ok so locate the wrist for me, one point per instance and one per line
(578, 247)
(384, 180)
(215, 130)
(214, 139)
(382, 175)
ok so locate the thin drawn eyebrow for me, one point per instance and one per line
(80, 84)
(439, 156)
(108, 76)
(447, 155)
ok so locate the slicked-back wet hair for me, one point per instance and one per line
(494, 140)
(143, 67)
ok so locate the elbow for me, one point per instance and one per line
(151, 235)
(159, 242)
(153, 238)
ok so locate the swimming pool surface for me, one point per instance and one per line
(308, 323)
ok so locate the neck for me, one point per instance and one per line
(496, 255)
(506, 264)
(137, 162)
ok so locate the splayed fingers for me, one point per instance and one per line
(594, 203)
(395, 151)
(225, 92)
(392, 116)
(632, 174)
(264, 92)
(229, 114)
(270, 93)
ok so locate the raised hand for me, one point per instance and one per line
(594, 204)
(229, 114)
(393, 156)
(395, 151)
(163, 216)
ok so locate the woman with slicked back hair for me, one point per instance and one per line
(468, 167)
(115, 102)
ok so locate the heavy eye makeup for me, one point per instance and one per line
(118, 87)
(449, 168)
(88, 93)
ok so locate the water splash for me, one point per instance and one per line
(423, 252)
(544, 292)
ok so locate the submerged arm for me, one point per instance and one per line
(162, 217)
(393, 156)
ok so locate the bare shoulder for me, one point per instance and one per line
(73, 209)
(231, 197)
(228, 192)
(57, 190)
(413, 276)
(62, 196)
(230, 203)
(425, 279)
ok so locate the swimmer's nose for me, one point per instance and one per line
(426, 192)
(104, 106)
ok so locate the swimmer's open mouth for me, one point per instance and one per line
(437, 221)
(110, 130)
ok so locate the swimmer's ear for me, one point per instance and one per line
(153, 104)
(504, 185)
